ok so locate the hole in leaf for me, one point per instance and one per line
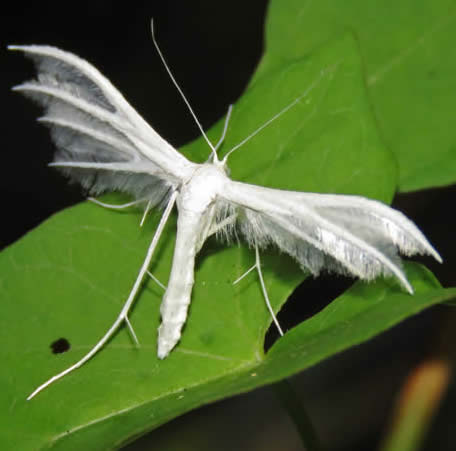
(308, 298)
(59, 346)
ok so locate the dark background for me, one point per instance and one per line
(213, 49)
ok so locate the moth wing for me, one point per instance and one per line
(102, 142)
(347, 234)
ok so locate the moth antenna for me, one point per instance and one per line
(225, 127)
(273, 118)
(160, 54)
(259, 129)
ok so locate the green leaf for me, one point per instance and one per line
(69, 278)
(407, 49)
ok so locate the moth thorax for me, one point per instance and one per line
(203, 188)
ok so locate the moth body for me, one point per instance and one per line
(196, 204)
(203, 187)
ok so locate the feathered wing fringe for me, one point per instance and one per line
(102, 142)
(346, 234)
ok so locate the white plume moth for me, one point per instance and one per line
(104, 144)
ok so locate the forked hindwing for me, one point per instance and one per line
(102, 142)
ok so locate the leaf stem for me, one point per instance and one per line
(295, 409)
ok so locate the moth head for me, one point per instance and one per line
(221, 164)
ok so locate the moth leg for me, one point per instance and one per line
(132, 331)
(113, 206)
(125, 309)
(245, 274)
(227, 221)
(265, 293)
(121, 206)
(257, 266)
(146, 211)
(156, 280)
